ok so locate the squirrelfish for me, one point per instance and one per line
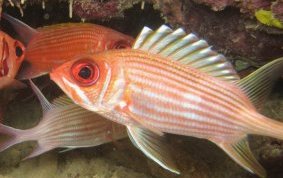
(12, 54)
(50, 46)
(65, 125)
(171, 82)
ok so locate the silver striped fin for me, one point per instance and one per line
(187, 49)
(45, 104)
(153, 146)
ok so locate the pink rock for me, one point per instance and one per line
(96, 9)
(277, 9)
(250, 6)
(216, 5)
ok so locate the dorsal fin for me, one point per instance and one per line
(45, 104)
(187, 49)
(25, 32)
(258, 85)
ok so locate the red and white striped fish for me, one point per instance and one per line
(65, 125)
(50, 46)
(171, 82)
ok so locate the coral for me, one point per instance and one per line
(226, 31)
(277, 9)
(250, 6)
(216, 5)
(96, 9)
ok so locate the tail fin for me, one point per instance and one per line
(257, 86)
(15, 136)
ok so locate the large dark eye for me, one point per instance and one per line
(121, 45)
(85, 72)
(19, 49)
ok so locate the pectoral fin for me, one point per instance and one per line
(240, 152)
(152, 146)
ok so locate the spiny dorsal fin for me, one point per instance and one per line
(258, 85)
(45, 104)
(25, 32)
(186, 49)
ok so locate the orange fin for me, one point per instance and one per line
(240, 152)
(28, 71)
(25, 32)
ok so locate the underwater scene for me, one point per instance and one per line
(141, 89)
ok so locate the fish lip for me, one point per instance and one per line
(4, 60)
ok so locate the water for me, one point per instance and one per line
(195, 158)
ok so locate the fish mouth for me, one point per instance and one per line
(4, 69)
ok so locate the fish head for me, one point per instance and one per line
(84, 79)
(12, 54)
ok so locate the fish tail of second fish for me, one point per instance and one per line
(15, 136)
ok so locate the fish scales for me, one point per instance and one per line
(194, 92)
(161, 92)
(50, 46)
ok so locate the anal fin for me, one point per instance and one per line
(40, 149)
(240, 152)
(153, 146)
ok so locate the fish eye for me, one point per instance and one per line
(19, 51)
(85, 72)
(121, 45)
